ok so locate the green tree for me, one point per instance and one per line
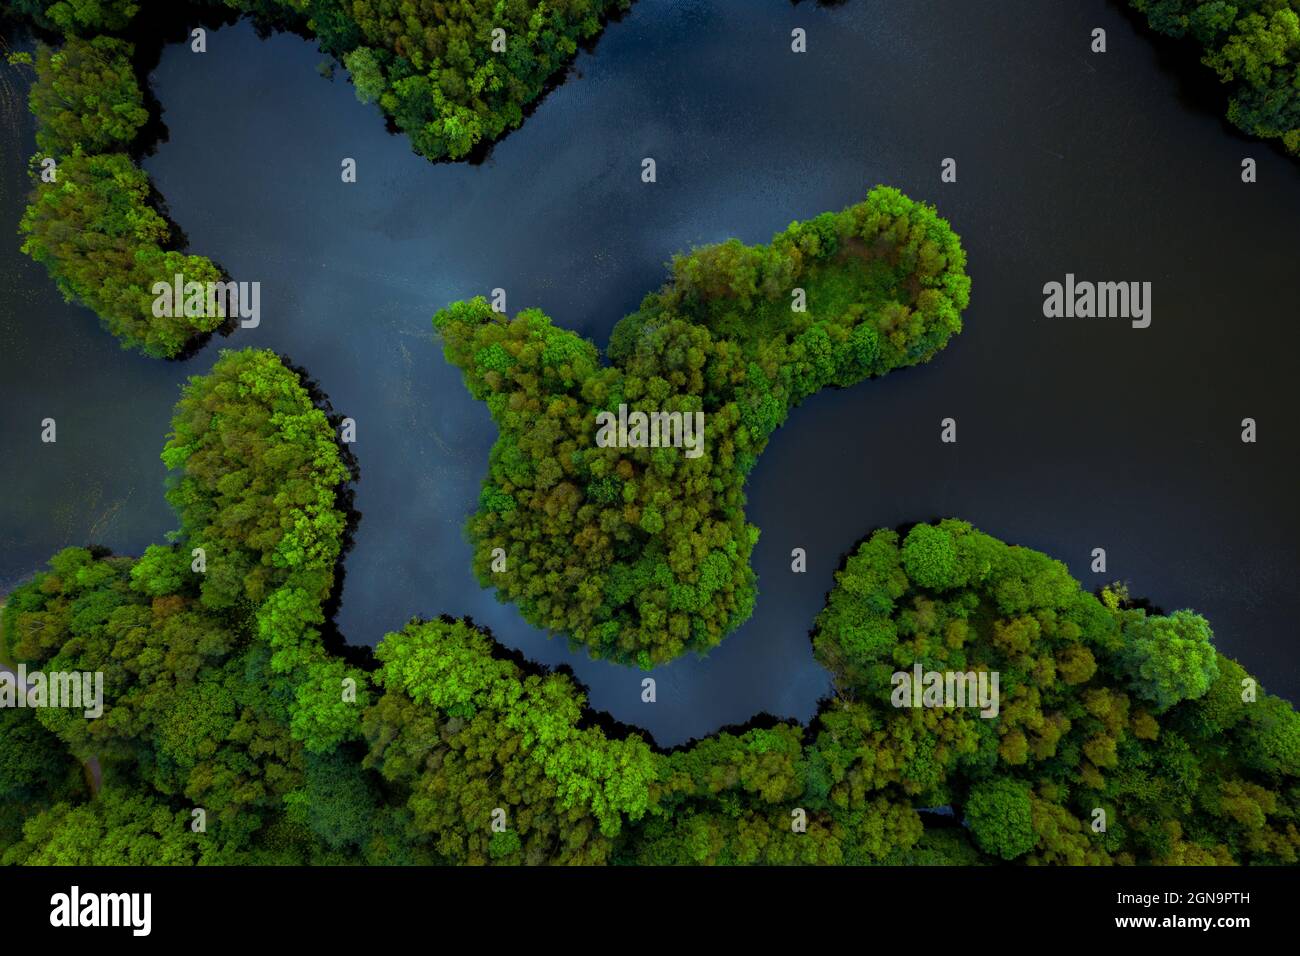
(930, 558)
(1000, 818)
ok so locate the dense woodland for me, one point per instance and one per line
(1254, 47)
(220, 695)
(641, 554)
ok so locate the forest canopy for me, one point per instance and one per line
(209, 647)
(457, 752)
(1122, 735)
(221, 697)
(641, 554)
(1109, 712)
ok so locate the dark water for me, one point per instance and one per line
(1073, 434)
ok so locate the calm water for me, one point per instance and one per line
(1073, 434)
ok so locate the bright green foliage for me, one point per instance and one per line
(1254, 47)
(323, 717)
(432, 67)
(259, 489)
(203, 709)
(117, 828)
(1170, 658)
(463, 733)
(96, 232)
(86, 96)
(1000, 817)
(260, 471)
(930, 557)
(219, 694)
(641, 554)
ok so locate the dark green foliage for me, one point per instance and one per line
(35, 771)
(338, 801)
(941, 846)
(91, 220)
(76, 16)
(93, 225)
(1254, 47)
(641, 554)
(232, 705)
(32, 763)
(219, 695)
(733, 799)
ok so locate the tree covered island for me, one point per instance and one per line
(641, 554)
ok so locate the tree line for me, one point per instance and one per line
(221, 697)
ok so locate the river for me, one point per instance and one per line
(1073, 434)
